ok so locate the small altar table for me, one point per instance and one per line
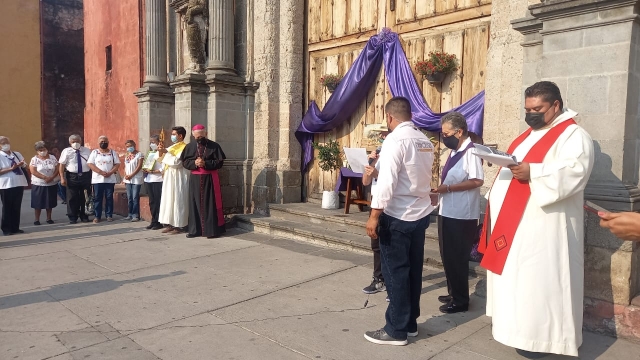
(347, 181)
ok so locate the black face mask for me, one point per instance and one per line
(104, 145)
(201, 140)
(451, 142)
(535, 120)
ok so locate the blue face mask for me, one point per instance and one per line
(131, 149)
(174, 138)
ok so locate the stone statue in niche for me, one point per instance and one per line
(196, 19)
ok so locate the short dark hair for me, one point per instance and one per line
(547, 90)
(130, 142)
(457, 121)
(180, 130)
(399, 108)
(155, 137)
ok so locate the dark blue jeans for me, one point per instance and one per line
(402, 250)
(133, 197)
(103, 191)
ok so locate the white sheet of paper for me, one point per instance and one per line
(357, 158)
(500, 159)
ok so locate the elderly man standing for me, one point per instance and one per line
(204, 157)
(75, 174)
(174, 203)
(534, 251)
(400, 209)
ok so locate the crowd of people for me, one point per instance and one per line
(85, 180)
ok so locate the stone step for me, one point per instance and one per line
(330, 234)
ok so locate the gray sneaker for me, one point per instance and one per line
(128, 218)
(135, 219)
(377, 285)
(381, 337)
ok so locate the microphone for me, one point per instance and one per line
(377, 153)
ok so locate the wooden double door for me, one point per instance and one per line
(337, 31)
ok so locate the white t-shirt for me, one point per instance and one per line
(45, 167)
(104, 162)
(157, 166)
(464, 205)
(131, 162)
(11, 179)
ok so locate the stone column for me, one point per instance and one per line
(591, 50)
(156, 42)
(221, 37)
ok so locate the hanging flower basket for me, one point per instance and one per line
(330, 81)
(437, 66)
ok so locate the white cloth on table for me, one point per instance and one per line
(537, 302)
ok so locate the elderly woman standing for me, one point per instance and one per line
(462, 177)
(44, 181)
(104, 163)
(12, 183)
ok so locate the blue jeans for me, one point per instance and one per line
(103, 191)
(402, 250)
(133, 197)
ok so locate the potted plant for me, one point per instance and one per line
(437, 66)
(329, 160)
(330, 81)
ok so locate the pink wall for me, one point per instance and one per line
(111, 107)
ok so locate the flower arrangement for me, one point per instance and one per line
(330, 81)
(437, 66)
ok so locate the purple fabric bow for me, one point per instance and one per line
(354, 87)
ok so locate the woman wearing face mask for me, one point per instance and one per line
(44, 181)
(12, 184)
(133, 178)
(104, 163)
(153, 181)
(459, 210)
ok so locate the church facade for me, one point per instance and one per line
(248, 69)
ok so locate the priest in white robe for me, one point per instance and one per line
(174, 204)
(535, 256)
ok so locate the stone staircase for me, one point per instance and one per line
(310, 223)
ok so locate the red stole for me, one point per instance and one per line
(215, 180)
(497, 248)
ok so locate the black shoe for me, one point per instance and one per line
(531, 354)
(6, 233)
(157, 227)
(85, 220)
(18, 232)
(73, 222)
(445, 299)
(36, 223)
(149, 227)
(189, 236)
(452, 308)
(381, 337)
(376, 286)
(49, 221)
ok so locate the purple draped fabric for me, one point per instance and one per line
(354, 88)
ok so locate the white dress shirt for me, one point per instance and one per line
(11, 179)
(404, 178)
(69, 158)
(463, 205)
(104, 162)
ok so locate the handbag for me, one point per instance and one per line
(117, 173)
(89, 205)
(25, 172)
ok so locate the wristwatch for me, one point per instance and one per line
(448, 188)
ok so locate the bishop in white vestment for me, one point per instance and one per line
(535, 297)
(174, 209)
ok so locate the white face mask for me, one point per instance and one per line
(153, 147)
(6, 147)
(43, 153)
(75, 146)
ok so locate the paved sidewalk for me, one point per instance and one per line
(118, 291)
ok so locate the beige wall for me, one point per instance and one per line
(20, 74)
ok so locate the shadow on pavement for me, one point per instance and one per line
(65, 237)
(74, 290)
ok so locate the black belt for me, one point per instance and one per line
(76, 173)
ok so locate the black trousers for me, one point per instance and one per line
(76, 185)
(11, 204)
(456, 240)
(377, 263)
(154, 190)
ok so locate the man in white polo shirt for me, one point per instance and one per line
(76, 176)
(400, 209)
